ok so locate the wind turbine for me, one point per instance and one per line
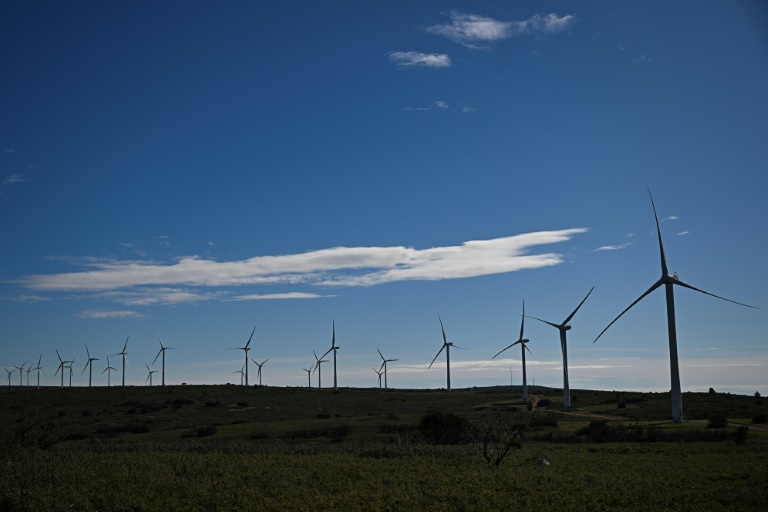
(523, 347)
(62, 365)
(21, 373)
(29, 370)
(379, 372)
(333, 349)
(149, 377)
(109, 371)
(384, 365)
(9, 372)
(123, 353)
(258, 374)
(447, 346)
(309, 373)
(72, 362)
(563, 328)
(669, 281)
(320, 361)
(162, 350)
(241, 372)
(89, 363)
(245, 349)
(38, 368)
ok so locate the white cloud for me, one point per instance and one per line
(109, 314)
(338, 266)
(629, 235)
(671, 217)
(420, 60)
(468, 109)
(477, 32)
(682, 233)
(148, 296)
(612, 247)
(441, 105)
(30, 298)
(289, 295)
(641, 59)
(15, 178)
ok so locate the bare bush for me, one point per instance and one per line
(497, 435)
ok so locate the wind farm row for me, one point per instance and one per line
(381, 369)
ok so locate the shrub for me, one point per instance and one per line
(444, 428)
(759, 418)
(712, 391)
(740, 436)
(621, 405)
(757, 394)
(717, 421)
(496, 436)
(544, 402)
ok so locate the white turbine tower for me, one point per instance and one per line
(123, 353)
(149, 377)
(89, 363)
(523, 347)
(162, 350)
(21, 373)
(260, 365)
(379, 372)
(62, 365)
(335, 350)
(38, 368)
(241, 372)
(320, 361)
(384, 366)
(669, 282)
(309, 374)
(447, 346)
(245, 349)
(563, 328)
(109, 369)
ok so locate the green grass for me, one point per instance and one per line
(293, 448)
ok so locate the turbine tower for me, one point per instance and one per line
(309, 373)
(320, 361)
(564, 328)
(523, 347)
(62, 365)
(162, 350)
(669, 281)
(447, 346)
(241, 372)
(123, 353)
(109, 371)
(245, 349)
(384, 366)
(333, 349)
(71, 363)
(379, 372)
(9, 372)
(149, 377)
(258, 373)
(38, 368)
(89, 363)
(21, 373)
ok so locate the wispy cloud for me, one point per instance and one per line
(683, 233)
(629, 235)
(15, 178)
(478, 32)
(641, 59)
(150, 296)
(671, 217)
(612, 247)
(338, 266)
(30, 298)
(440, 105)
(289, 295)
(109, 314)
(420, 60)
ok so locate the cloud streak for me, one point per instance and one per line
(478, 32)
(14, 179)
(338, 266)
(109, 314)
(612, 247)
(420, 60)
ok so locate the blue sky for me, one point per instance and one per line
(199, 170)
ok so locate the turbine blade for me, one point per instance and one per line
(664, 270)
(438, 354)
(652, 288)
(333, 340)
(502, 350)
(126, 343)
(329, 351)
(522, 324)
(548, 323)
(88, 351)
(382, 357)
(158, 355)
(677, 281)
(529, 351)
(443, 328)
(251, 337)
(86, 366)
(58, 355)
(577, 307)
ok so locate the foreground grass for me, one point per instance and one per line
(127, 476)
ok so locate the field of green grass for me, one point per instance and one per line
(239, 448)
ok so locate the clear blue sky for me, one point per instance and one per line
(202, 168)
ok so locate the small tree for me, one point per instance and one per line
(757, 394)
(497, 435)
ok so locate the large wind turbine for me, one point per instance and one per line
(21, 373)
(123, 353)
(109, 371)
(149, 377)
(384, 366)
(162, 350)
(669, 281)
(320, 361)
(563, 328)
(333, 349)
(523, 347)
(258, 374)
(89, 363)
(447, 346)
(245, 349)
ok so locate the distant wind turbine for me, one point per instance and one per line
(333, 349)
(162, 350)
(447, 346)
(9, 372)
(523, 347)
(260, 365)
(109, 369)
(38, 368)
(564, 328)
(241, 372)
(309, 373)
(29, 370)
(149, 377)
(384, 366)
(669, 281)
(123, 353)
(62, 365)
(21, 373)
(320, 361)
(89, 363)
(379, 372)
(245, 349)
(71, 363)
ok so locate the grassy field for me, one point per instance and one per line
(238, 448)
